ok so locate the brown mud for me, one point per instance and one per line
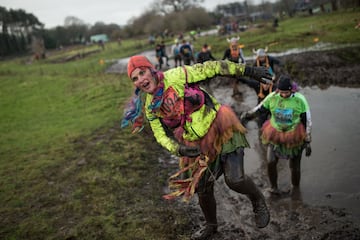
(324, 68)
(291, 218)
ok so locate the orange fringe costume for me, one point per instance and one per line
(222, 130)
(286, 143)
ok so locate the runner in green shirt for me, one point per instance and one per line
(288, 130)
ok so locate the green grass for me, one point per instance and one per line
(299, 32)
(66, 169)
(55, 103)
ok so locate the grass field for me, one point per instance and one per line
(67, 171)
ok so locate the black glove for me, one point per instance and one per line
(244, 116)
(258, 73)
(188, 151)
(241, 79)
(307, 149)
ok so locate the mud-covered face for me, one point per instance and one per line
(143, 79)
(265, 86)
(285, 94)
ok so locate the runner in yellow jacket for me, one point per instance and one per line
(207, 135)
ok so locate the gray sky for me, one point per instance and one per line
(53, 13)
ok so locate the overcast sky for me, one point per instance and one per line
(53, 12)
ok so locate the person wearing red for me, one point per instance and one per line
(190, 123)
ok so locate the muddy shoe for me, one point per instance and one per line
(262, 215)
(205, 232)
(236, 94)
(274, 191)
(295, 193)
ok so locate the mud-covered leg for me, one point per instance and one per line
(295, 168)
(272, 161)
(235, 178)
(235, 89)
(208, 206)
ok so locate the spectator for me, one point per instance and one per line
(204, 55)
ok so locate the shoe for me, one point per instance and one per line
(295, 193)
(274, 191)
(205, 232)
(262, 215)
(236, 94)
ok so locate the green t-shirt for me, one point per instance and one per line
(285, 112)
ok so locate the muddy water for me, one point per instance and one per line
(330, 176)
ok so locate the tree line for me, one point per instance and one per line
(21, 31)
(17, 29)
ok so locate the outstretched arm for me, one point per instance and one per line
(255, 109)
(250, 82)
(258, 111)
(211, 69)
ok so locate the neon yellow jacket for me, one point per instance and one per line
(202, 118)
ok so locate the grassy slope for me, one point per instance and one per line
(68, 172)
(299, 32)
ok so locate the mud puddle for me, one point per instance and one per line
(327, 203)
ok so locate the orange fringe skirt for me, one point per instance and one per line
(220, 132)
(287, 143)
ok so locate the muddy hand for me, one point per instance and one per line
(307, 149)
(244, 117)
(189, 151)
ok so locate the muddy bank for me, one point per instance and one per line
(324, 68)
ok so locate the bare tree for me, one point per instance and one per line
(168, 6)
(72, 20)
(149, 22)
(176, 22)
(196, 18)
